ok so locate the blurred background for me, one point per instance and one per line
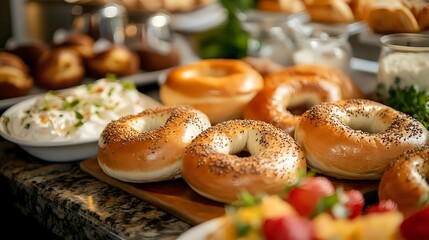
(37, 19)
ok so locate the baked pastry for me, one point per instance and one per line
(82, 43)
(212, 166)
(349, 88)
(148, 146)
(14, 82)
(116, 59)
(329, 11)
(404, 181)
(282, 104)
(221, 88)
(356, 138)
(166, 5)
(59, 68)
(396, 16)
(12, 60)
(30, 52)
(288, 6)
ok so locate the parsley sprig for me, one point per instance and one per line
(411, 100)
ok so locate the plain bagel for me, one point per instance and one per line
(220, 88)
(349, 88)
(148, 147)
(356, 138)
(213, 167)
(282, 104)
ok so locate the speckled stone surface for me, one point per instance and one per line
(74, 205)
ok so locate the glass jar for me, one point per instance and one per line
(322, 44)
(107, 21)
(268, 36)
(404, 59)
(150, 31)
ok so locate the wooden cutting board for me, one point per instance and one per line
(177, 198)
(174, 197)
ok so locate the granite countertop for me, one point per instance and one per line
(74, 205)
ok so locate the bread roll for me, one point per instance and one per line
(166, 5)
(329, 11)
(12, 60)
(14, 82)
(395, 16)
(391, 17)
(117, 60)
(289, 6)
(59, 68)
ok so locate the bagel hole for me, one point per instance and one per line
(243, 154)
(367, 124)
(299, 109)
(216, 72)
(150, 123)
(300, 103)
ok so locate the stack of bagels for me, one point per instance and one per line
(263, 131)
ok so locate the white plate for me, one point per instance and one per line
(201, 231)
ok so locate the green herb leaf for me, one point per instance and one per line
(332, 204)
(241, 228)
(79, 116)
(128, 85)
(70, 105)
(112, 77)
(301, 175)
(246, 199)
(410, 100)
(229, 40)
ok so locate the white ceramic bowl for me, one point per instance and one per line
(63, 151)
(56, 151)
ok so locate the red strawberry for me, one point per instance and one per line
(354, 202)
(382, 206)
(306, 194)
(415, 227)
(288, 228)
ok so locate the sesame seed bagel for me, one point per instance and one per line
(213, 167)
(404, 181)
(356, 138)
(282, 104)
(148, 147)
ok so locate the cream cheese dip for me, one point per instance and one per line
(403, 62)
(410, 68)
(77, 113)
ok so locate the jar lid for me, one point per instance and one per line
(407, 42)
